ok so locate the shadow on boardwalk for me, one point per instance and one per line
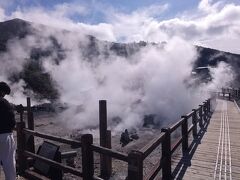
(185, 161)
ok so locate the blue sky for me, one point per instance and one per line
(126, 6)
(95, 7)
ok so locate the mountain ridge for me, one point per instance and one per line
(35, 77)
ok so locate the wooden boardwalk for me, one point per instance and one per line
(215, 154)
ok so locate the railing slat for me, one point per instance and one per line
(190, 129)
(146, 150)
(54, 163)
(176, 125)
(110, 152)
(176, 145)
(53, 138)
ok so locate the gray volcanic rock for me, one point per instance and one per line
(15, 28)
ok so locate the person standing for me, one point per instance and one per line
(7, 144)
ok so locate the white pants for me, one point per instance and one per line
(7, 155)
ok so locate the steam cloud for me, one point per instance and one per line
(153, 81)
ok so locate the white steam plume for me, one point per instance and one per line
(17, 54)
(150, 82)
(223, 76)
(12, 62)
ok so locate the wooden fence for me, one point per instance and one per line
(233, 93)
(134, 159)
(199, 117)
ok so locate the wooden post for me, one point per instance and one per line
(135, 165)
(209, 106)
(30, 120)
(184, 134)
(21, 116)
(28, 109)
(200, 116)
(194, 122)
(108, 158)
(166, 154)
(87, 157)
(105, 140)
(103, 122)
(204, 111)
(21, 158)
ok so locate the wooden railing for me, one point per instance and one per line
(199, 118)
(135, 159)
(234, 93)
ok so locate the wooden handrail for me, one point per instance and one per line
(69, 154)
(177, 143)
(53, 138)
(150, 147)
(54, 164)
(176, 125)
(146, 150)
(190, 129)
(189, 114)
(110, 152)
(202, 111)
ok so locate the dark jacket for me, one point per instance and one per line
(7, 118)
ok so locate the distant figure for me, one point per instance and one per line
(7, 144)
(125, 139)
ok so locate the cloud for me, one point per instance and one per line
(207, 29)
(102, 31)
(140, 25)
(216, 28)
(2, 14)
(214, 24)
(208, 6)
(208, 25)
(152, 11)
(69, 9)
